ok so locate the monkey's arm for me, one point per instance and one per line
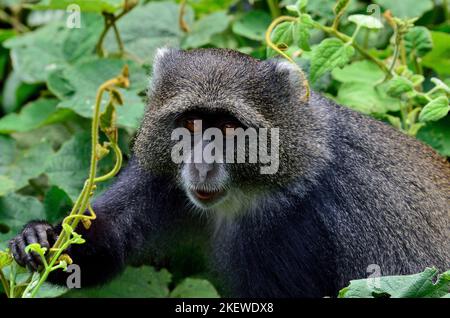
(127, 213)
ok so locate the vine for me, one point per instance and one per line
(110, 21)
(415, 106)
(55, 259)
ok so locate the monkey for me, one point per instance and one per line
(349, 192)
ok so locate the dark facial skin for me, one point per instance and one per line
(206, 183)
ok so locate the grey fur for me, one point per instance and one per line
(387, 196)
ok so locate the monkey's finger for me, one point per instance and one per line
(16, 253)
(52, 236)
(31, 237)
(42, 237)
(26, 258)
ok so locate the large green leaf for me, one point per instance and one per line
(57, 204)
(18, 166)
(202, 7)
(360, 71)
(436, 109)
(69, 167)
(33, 115)
(438, 58)
(419, 285)
(418, 41)
(110, 6)
(140, 282)
(15, 211)
(282, 36)
(437, 135)
(149, 27)
(367, 100)
(85, 77)
(15, 92)
(203, 29)
(194, 288)
(329, 54)
(366, 21)
(406, 8)
(53, 46)
(252, 25)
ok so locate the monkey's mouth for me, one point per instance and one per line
(207, 196)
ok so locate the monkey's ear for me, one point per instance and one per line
(288, 71)
(164, 58)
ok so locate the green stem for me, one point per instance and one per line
(118, 39)
(446, 13)
(5, 283)
(117, 166)
(274, 8)
(48, 270)
(110, 21)
(345, 38)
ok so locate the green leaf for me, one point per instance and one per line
(69, 167)
(18, 166)
(322, 8)
(5, 259)
(142, 282)
(436, 109)
(298, 7)
(408, 286)
(203, 29)
(7, 185)
(340, 6)
(149, 27)
(15, 211)
(252, 25)
(194, 288)
(53, 46)
(282, 36)
(360, 71)
(366, 21)
(442, 85)
(33, 115)
(418, 41)
(437, 59)
(15, 92)
(329, 54)
(85, 78)
(99, 6)
(35, 247)
(57, 204)
(399, 86)
(203, 7)
(368, 100)
(302, 31)
(406, 8)
(48, 290)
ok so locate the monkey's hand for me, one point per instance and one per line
(34, 232)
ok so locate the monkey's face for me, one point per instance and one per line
(195, 96)
(208, 148)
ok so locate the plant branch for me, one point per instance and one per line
(277, 49)
(274, 8)
(181, 21)
(110, 21)
(346, 39)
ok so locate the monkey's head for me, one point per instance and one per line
(201, 100)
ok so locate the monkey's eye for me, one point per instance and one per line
(194, 125)
(228, 128)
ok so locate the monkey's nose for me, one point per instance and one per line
(203, 169)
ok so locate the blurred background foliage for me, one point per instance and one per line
(51, 64)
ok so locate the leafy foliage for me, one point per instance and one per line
(421, 285)
(375, 60)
